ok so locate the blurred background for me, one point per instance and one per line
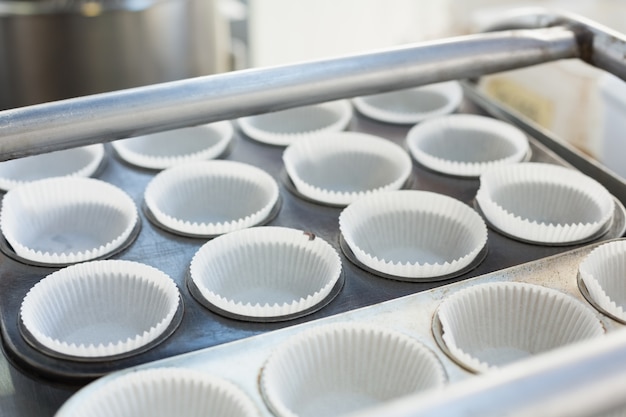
(55, 49)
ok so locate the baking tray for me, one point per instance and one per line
(242, 361)
(201, 328)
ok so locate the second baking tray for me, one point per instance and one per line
(201, 328)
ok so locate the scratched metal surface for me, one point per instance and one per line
(201, 328)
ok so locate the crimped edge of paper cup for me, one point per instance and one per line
(311, 348)
(95, 154)
(233, 245)
(465, 306)
(348, 143)
(194, 390)
(451, 91)
(223, 130)
(64, 191)
(61, 285)
(437, 127)
(423, 202)
(595, 264)
(542, 174)
(229, 171)
(341, 108)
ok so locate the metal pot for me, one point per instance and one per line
(55, 49)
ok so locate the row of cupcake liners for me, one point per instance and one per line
(171, 253)
(283, 373)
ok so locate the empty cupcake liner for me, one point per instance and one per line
(79, 162)
(100, 308)
(466, 145)
(603, 273)
(283, 127)
(413, 234)
(162, 392)
(166, 149)
(489, 325)
(544, 203)
(413, 105)
(67, 220)
(209, 198)
(265, 272)
(317, 166)
(340, 368)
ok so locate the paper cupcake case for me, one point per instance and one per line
(413, 235)
(544, 203)
(602, 279)
(99, 309)
(466, 145)
(490, 325)
(340, 368)
(164, 392)
(165, 149)
(265, 273)
(283, 127)
(77, 162)
(317, 166)
(210, 198)
(413, 105)
(67, 220)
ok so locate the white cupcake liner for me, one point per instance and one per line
(603, 272)
(166, 149)
(489, 325)
(544, 203)
(162, 392)
(317, 166)
(78, 162)
(100, 308)
(336, 369)
(209, 198)
(67, 219)
(265, 272)
(466, 145)
(412, 105)
(284, 127)
(413, 234)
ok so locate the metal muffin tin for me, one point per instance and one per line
(171, 253)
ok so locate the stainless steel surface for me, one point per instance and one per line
(110, 116)
(600, 46)
(580, 381)
(53, 50)
(538, 386)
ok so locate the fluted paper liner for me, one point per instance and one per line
(100, 308)
(265, 271)
(76, 162)
(603, 272)
(413, 105)
(544, 203)
(489, 325)
(211, 197)
(466, 145)
(317, 166)
(336, 369)
(286, 126)
(413, 234)
(67, 219)
(177, 392)
(166, 149)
